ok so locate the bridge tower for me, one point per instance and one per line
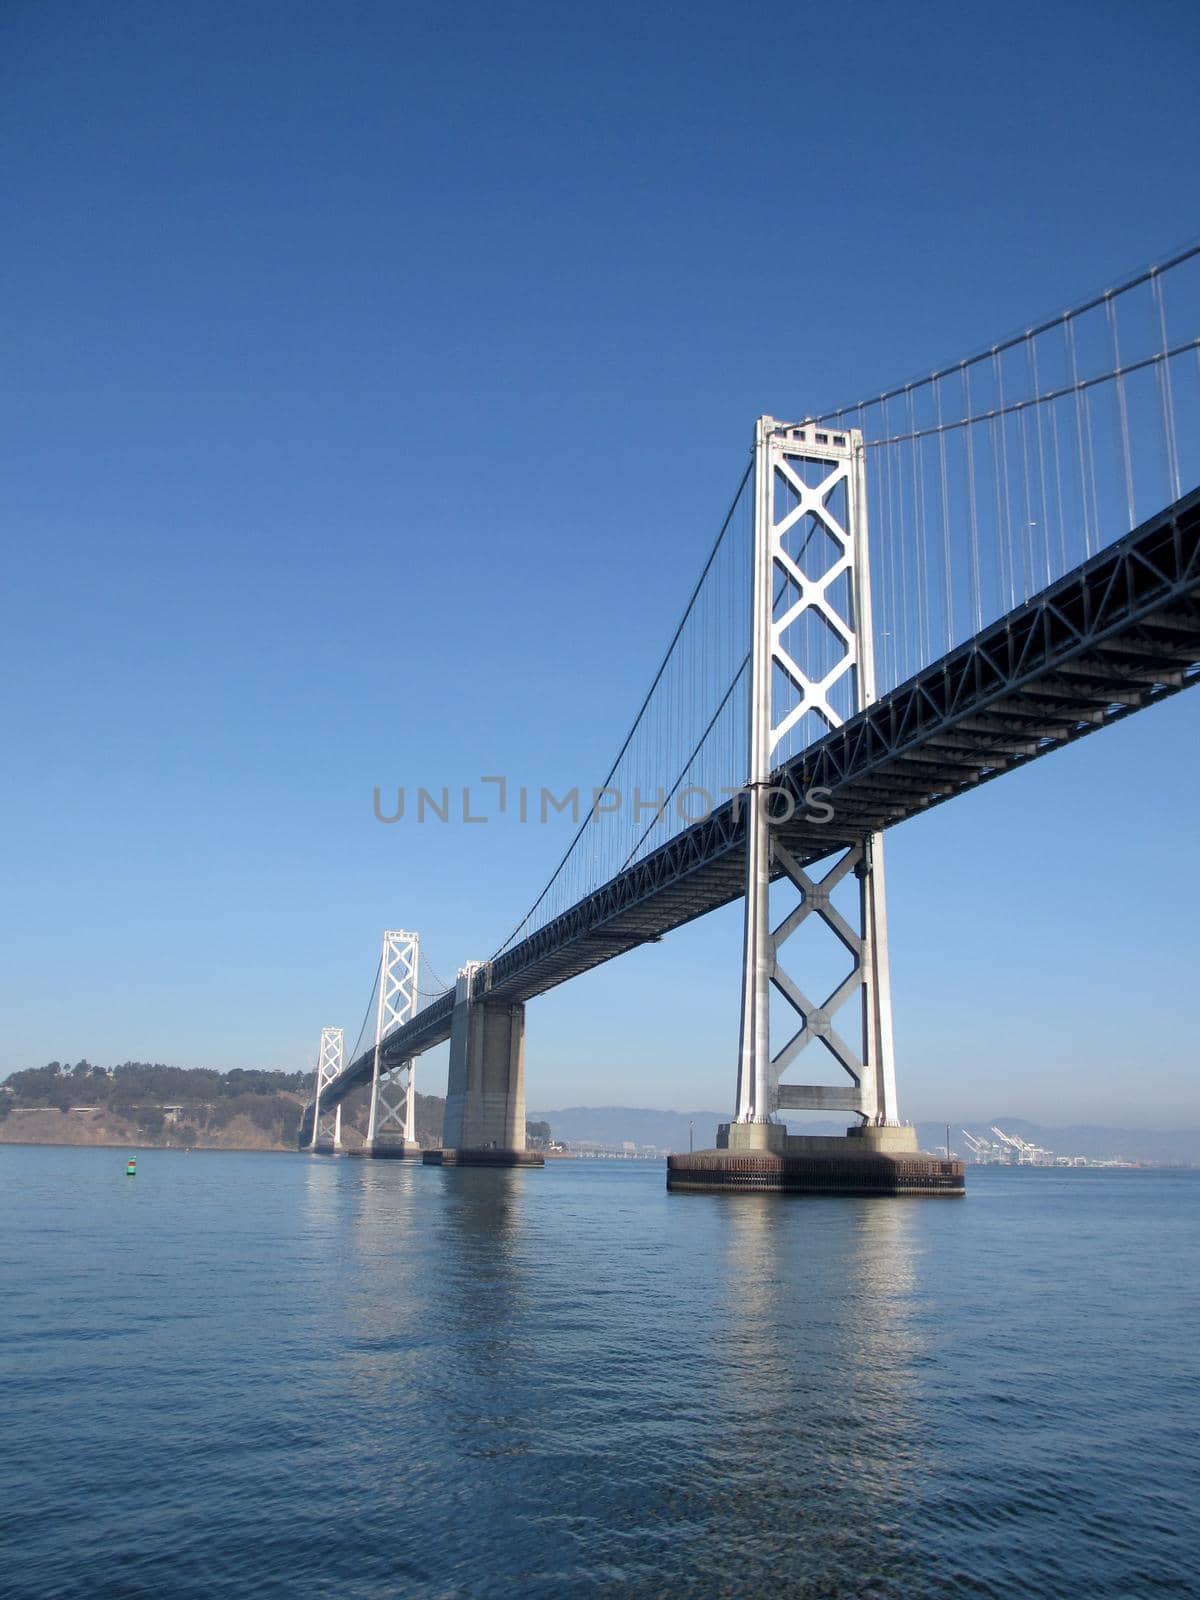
(811, 651)
(327, 1127)
(391, 1127)
(809, 486)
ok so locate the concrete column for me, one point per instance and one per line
(485, 1092)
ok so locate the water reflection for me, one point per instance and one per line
(434, 1263)
(884, 1342)
(603, 1368)
(752, 1346)
(481, 1290)
(385, 1302)
(818, 1433)
(322, 1200)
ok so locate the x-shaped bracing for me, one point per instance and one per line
(391, 1104)
(815, 1020)
(389, 1112)
(329, 1066)
(812, 595)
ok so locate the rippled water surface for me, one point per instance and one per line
(253, 1375)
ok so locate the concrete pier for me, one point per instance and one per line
(762, 1157)
(485, 1090)
(483, 1158)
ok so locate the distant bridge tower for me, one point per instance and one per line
(809, 487)
(391, 1130)
(327, 1128)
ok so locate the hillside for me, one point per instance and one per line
(152, 1105)
(148, 1103)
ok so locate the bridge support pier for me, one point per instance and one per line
(485, 1092)
(765, 1157)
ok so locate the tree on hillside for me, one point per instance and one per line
(136, 1083)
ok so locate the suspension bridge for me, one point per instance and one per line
(906, 597)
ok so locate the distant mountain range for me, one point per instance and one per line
(668, 1130)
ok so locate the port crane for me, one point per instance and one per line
(1028, 1155)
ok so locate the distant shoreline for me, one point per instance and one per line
(550, 1155)
(152, 1144)
(144, 1144)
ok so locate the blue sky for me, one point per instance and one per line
(375, 376)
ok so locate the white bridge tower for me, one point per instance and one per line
(809, 484)
(391, 1129)
(327, 1126)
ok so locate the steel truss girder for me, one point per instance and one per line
(1140, 595)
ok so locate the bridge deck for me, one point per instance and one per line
(1120, 632)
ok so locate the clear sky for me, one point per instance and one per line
(374, 377)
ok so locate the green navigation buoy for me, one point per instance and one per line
(131, 1167)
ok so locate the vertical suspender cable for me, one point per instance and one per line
(898, 610)
(926, 559)
(1091, 460)
(999, 539)
(1062, 525)
(945, 487)
(1069, 334)
(1163, 373)
(969, 438)
(1110, 309)
(1031, 347)
(1027, 536)
(922, 576)
(1006, 537)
